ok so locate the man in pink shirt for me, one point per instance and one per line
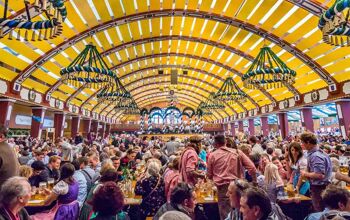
(225, 165)
(189, 161)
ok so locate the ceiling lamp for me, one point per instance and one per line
(268, 71)
(126, 104)
(211, 103)
(334, 25)
(114, 93)
(88, 67)
(55, 12)
(132, 112)
(230, 92)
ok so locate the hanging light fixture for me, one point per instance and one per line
(268, 71)
(88, 67)
(211, 103)
(334, 25)
(126, 104)
(230, 92)
(54, 10)
(114, 93)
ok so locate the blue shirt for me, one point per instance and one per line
(319, 162)
(81, 180)
(317, 215)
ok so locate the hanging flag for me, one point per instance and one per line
(36, 118)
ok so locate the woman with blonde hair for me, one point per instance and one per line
(25, 171)
(273, 183)
(151, 188)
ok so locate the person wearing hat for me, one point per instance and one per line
(38, 166)
(189, 172)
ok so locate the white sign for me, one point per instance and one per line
(27, 120)
(48, 123)
(23, 120)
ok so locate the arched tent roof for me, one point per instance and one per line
(210, 39)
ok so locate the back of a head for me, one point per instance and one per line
(332, 196)
(253, 139)
(181, 192)
(174, 215)
(108, 199)
(172, 138)
(308, 138)
(220, 139)
(258, 197)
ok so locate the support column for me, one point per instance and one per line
(6, 107)
(240, 126)
(108, 130)
(283, 124)
(251, 127)
(233, 131)
(306, 119)
(59, 120)
(94, 127)
(343, 110)
(37, 121)
(87, 127)
(102, 130)
(264, 126)
(75, 125)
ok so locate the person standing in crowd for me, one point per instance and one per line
(78, 139)
(296, 162)
(336, 200)
(82, 182)
(319, 169)
(14, 196)
(52, 169)
(66, 150)
(171, 146)
(256, 147)
(9, 165)
(129, 160)
(189, 172)
(225, 165)
(256, 205)
(38, 156)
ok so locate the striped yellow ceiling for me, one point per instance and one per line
(183, 43)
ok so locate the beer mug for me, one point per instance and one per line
(42, 187)
(50, 183)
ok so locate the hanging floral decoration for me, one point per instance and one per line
(211, 103)
(268, 71)
(88, 67)
(114, 93)
(55, 12)
(230, 92)
(335, 25)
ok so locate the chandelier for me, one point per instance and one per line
(88, 67)
(230, 92)
(268, 71)
(211, 103)
(114, 93)
(132, 111)
(126, 104)
(51, 27)
(334, 25)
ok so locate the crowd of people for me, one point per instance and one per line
(250, 175)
